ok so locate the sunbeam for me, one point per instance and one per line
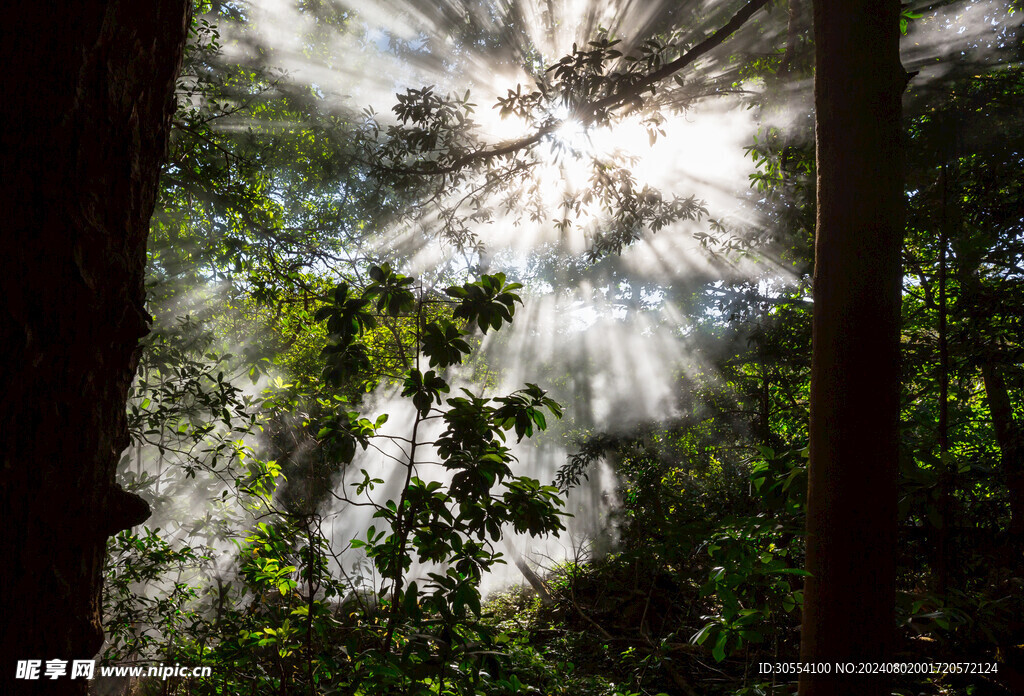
(422, 273)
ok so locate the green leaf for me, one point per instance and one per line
(718, 652)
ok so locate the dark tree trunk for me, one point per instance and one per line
(947, 472)
(849, 600)
(88, 101)
(1010, 437)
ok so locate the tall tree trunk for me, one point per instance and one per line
(1010, 437)
(849, 599)
(947, 471)
(87, 113)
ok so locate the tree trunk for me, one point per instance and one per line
(947, 472)
(1010, 437)
(849, 600)
(87, 113)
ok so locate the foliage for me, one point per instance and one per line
(265, 270)
(277, 622)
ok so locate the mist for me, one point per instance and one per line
(613, 339)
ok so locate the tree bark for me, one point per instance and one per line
(947, 472)
(849, 599)
(88, 105)
(1010, 437)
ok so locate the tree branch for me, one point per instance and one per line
(637, 88)
(629, 93)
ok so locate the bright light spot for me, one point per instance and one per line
(571, 132)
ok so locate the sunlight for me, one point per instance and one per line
(606, 338)
(571, 133)
(421, 273)
(699, 154)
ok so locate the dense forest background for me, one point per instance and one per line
(441, 398)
